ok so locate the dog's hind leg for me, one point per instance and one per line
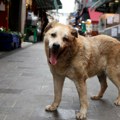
(114, 75)
(58, 86)
(117, 101)
(117, 84)
(103, 83)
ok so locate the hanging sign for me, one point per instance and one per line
(114, 32)
(2, 6)
(119, 29)
(110, 20)
(116, 18)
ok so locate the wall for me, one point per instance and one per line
(23, 15)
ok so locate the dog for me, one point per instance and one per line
(79, 58)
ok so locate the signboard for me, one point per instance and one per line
(114, 32)
(2, 7)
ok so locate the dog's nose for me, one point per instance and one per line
(56, 46)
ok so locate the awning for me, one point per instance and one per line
(49, 4)
(107, 6)
(99, 3)
(94, 16)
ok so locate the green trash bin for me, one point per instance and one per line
(31, 31)
(83, 27)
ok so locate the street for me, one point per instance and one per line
(26, 87)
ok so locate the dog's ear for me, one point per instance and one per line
(74, 33)
(49, 26)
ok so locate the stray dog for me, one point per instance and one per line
(78, 58)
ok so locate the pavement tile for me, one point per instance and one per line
(60, 114)
(2, 116)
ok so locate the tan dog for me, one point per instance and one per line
(79, 58)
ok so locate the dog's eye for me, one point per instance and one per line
(65, 39)
(53, 34)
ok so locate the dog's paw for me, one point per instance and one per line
(80, 116)
(50, 108)
(96, 97)
(117, 102)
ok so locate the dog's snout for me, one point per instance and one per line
(56, 46)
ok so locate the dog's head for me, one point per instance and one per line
(58, 39)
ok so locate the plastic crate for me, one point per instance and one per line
(9, 41)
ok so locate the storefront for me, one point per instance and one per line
(12, 14)
(12, 20)
(94, 16)
(37, 9)
(4, 13)
(109, 22)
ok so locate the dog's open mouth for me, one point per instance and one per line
(53, 56)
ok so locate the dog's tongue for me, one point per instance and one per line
(53, 59)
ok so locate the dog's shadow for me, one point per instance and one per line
(56, 114)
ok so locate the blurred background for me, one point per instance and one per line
(26, 19)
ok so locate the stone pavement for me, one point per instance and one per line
(26, 88)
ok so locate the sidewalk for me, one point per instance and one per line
(24, 45)
(26, 87)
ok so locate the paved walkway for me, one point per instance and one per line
(26, 88)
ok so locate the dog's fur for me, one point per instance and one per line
(78, 58)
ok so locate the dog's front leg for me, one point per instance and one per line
(82, 91)
(58, 85)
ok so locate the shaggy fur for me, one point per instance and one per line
(78, 58)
